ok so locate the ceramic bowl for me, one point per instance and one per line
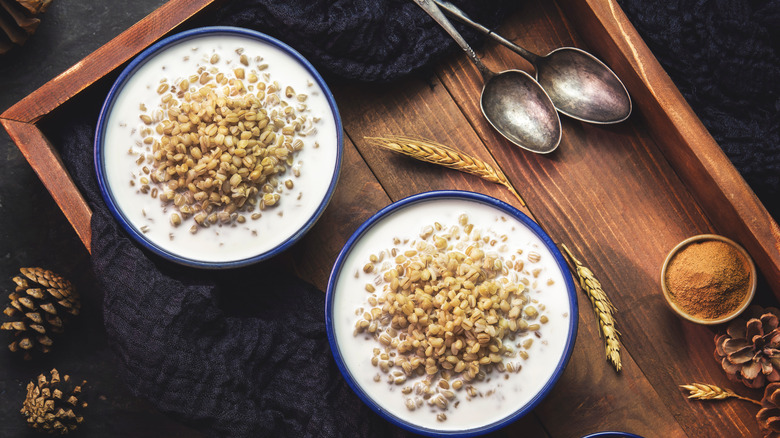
(723, 318)
(121, 140)
(514, 395)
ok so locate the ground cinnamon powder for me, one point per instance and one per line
(708, 279)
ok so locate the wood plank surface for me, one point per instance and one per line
(620, 196)
(716, 185)
(609, 192)
(408, 109)
(357, 197)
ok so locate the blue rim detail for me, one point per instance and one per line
(139, 61)
(454, 194)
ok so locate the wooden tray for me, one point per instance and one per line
(620, 196)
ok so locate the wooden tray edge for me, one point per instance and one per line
(717, 186)
(727, 200)
(21, 119)
(105, 59)
(46, 163)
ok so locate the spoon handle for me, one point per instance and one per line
(460, 15)
(430, 7)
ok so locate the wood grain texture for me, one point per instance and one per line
(372, 111)
(716, 185)
(610, 192)
(409, 109)
(414, 108)
(103, 60)
(357, 197)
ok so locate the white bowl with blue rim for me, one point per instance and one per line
(120, 146)
(502, 397)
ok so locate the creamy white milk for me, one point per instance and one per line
(230, 242)
(502, 393)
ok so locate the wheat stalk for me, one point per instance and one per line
(704, 391)
(602, 307)
(442, 155)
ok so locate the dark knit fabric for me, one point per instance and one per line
(724, 56)
(244, 352)
(367, 40)
(236, 353)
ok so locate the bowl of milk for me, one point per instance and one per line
(218, 147)
(451, 313)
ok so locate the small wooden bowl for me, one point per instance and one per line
(724, 318)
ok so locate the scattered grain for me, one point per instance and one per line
(215, 143)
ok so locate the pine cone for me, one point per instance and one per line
(18, 22)
(749, 352)
(51, 406)
(40, 306)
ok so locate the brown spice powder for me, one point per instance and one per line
(708, 279)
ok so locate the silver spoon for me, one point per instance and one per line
(512, 101)
(580, 86)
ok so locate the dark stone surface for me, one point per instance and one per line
(33, 232)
